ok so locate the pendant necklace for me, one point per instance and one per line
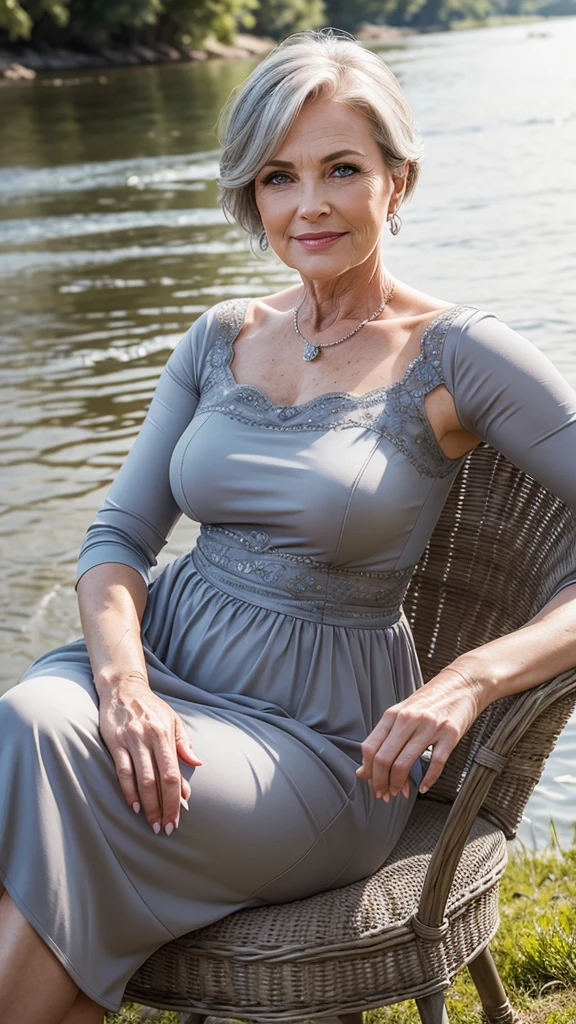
(311, 350)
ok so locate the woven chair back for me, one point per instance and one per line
(500, 546)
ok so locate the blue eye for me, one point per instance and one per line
(348, 167)
(270, 179)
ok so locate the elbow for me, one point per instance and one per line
(106, 544)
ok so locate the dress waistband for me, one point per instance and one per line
(246, 566)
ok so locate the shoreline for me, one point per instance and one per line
(23, 63)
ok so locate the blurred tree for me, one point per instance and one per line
(348, 15)
(443, 13)
(95, 23)
(557, 7)
(195, 19)
(278, 18)
(19, 19)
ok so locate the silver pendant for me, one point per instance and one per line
(310, 351)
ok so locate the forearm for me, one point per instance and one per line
(112, 598)
(541, 649)
(438, 714)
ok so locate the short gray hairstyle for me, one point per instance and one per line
(309, 65)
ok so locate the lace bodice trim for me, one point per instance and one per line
(396, 410)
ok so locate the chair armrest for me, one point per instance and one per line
(489, 762)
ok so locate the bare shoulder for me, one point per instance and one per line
(263, 308)
(281, 302)
(418, 306)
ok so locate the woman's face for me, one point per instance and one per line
(328, 176)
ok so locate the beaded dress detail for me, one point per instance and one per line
(395, 410)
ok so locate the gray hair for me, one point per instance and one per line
(309, 65)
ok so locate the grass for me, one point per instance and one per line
(535, 948)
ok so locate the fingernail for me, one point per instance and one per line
(386, 798)
(423, 789)
(393, 792)
(169, 828)
(156, 827)
(184, 803)
(379, 794)
(136, 807)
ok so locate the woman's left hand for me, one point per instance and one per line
(437, 714)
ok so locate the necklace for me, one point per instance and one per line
(311, 350)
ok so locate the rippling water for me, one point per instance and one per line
(111, 243)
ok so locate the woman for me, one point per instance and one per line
(268, 681)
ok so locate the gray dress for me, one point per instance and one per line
(280, 639)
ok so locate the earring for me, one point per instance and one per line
(263, 241)
(395, 223)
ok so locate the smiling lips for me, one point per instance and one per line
(319, 239)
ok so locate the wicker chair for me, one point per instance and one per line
(496, 555)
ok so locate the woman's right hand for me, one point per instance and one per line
(146, 737)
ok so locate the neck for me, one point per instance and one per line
(353, 296)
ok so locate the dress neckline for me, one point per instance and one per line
(367, 398)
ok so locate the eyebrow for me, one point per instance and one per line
(324, 160)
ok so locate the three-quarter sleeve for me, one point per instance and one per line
(509, 394)
(139, 511)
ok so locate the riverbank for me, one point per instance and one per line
(22, 63)
(535, 949)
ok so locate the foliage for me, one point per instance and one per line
(443, 13)
(96, 23)
(278, 18)
(196, 19)
(18, 19)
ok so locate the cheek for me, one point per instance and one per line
(367, 213)
(374, 196)
(273, 208)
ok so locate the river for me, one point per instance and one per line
(112, 242)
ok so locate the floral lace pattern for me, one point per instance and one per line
(395, 410)
(249, 562)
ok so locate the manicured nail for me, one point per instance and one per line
(393, 792)
(169, 828)
(156, 827)
(386, 798)
(379, 794)
(423, 789)
(136, 807)
(184, 803)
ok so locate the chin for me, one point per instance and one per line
(318, 265)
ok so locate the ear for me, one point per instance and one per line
(400, 182)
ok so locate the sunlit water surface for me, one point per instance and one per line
(112, 243)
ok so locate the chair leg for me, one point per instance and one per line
(497, 1009)
(432, 1009)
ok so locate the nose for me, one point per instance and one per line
(312, 200)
